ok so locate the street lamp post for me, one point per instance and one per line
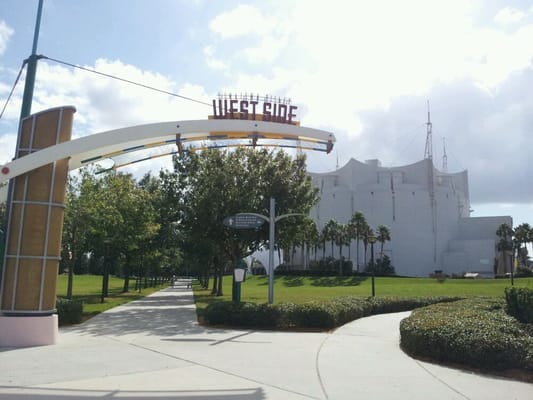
(372, 239)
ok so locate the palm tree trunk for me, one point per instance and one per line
(357, 254)
(340, 260)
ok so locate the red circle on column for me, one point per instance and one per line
(5, 170)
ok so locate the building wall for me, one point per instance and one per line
(425, 233)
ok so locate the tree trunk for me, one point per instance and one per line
(215, 282)
(126, 287)
(205, 283)
(221, 274)
(70, 278)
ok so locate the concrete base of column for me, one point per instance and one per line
(24, 331)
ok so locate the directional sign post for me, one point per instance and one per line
(252, 221)
(245, 221)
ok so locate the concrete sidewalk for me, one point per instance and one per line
(154, 349)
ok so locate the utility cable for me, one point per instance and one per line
(125, 80)
(13, 88)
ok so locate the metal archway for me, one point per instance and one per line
(99, 146)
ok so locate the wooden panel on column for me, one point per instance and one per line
(35, 220)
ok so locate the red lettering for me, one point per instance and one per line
(232, 109)
(267, 114)
(241, 109)
(282, 112)
(291, 113)
(215, 114)
(244, 109)
(253, 103)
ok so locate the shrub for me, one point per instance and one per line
(474, 332)
(69, 311)
(258, 270)
(383, 267)
(310, 315)
(523, 272)
(242, 314)
(520, 303)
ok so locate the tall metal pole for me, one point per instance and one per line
(32, 68)
(271, 251)
(25, 110)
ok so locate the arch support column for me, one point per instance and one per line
(33, 234)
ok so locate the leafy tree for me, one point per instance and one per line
(215, 184)
(166, 202)
(110, 217)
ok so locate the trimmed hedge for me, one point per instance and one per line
(520, 303)
(310, 315)
(69, 311)
(473, 332)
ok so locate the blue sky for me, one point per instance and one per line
(364, 70)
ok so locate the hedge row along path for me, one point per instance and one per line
(153, 347)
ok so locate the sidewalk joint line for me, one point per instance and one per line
(441, 381)
(224, 372)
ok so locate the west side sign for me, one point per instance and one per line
(255, 108)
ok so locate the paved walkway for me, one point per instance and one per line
(154, 349)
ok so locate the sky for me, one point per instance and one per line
(364, 70)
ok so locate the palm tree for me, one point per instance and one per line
(314, 238)
(310, 239)
(341, 237)
(522, 234)
(323, 242)
(367, 232)
(356, 228)
(530, 237)
(383, 235)
(330, 232)
(505, 233)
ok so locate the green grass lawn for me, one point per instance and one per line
(88, 288)
(302, 289)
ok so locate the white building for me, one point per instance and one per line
(426, 210)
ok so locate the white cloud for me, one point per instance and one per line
(103, 103)
(5, 33)
(8, 143)
(509, 15)
(212, 61)
(241, 21)
(267, 51)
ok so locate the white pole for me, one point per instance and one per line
(271, 251)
